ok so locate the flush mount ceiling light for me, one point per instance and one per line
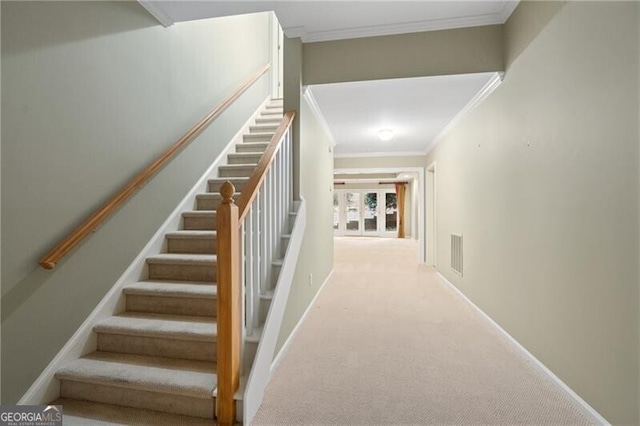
(385, 134)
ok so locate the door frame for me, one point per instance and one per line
(421, 198)
(381, 214)
(431, 216)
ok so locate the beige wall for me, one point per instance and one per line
(379, 162)
(316, 182)
(542, 181)
(458, 51)
(91, 93)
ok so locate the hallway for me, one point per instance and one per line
(388, 343)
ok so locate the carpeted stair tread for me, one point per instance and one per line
(268, 120)
(251, 146)
(85, 413)
(161, 375)
(178, 327)
(264, 128)
(182, 259)
(172, 289)
(199, 213)
(233, 180)
(189, 234)
(234, 167)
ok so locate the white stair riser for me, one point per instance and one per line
(171, 305)
(181, 272)
(156, 346)
(167, 403)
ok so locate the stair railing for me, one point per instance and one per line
(64, 246)
(248, 240)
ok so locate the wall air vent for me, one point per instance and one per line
(456, 253)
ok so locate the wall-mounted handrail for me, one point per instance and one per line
(61, 249)
(248, 236)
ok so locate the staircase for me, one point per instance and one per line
(155, 362)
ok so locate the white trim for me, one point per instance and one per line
(308, 95)
(508, 8)
(379, 154)
(285, 347)
(153, 7)
(401, 28)
(431, 215)
(46, 388)
(489, 87)
(295, 32)
(580, 403)
(421, 203)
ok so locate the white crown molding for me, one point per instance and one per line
(578, 402)
(295, 32)
(392, 29)
(308, 95)
(153, 7)
(486, 90)
(508, 8)
(379, 154)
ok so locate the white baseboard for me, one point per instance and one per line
(46, 388)
(580, 403)
(278, 358)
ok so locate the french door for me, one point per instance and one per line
(365, 212)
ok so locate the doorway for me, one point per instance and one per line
(371, 213)
(431, 200)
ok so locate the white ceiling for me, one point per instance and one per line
(333, 20)
(418, 110)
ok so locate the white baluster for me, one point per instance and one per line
(248, 271)
(243, 288)
(255, 265)
(270, 228)
(262, 238)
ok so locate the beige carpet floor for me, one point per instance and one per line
(388, 343)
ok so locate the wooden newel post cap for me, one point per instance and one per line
(227, 191)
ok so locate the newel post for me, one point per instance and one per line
(229, 306)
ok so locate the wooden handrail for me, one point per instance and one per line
(50, 260)
(250, 192)
(229, 312)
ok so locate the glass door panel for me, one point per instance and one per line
(353, 213)
(371, 212)
(391, 212)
